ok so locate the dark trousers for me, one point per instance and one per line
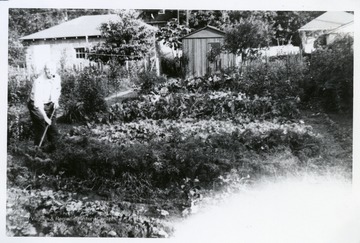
(39, 124)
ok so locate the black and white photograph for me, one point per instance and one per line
(186, 124)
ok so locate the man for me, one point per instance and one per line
(43, 100)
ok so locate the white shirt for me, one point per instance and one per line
(45, 90)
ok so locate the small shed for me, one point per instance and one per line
(201, 48)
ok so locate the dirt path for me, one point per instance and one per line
(336, 131)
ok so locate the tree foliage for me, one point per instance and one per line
(246, 35)
(126, 39)
(285, 24)
(332, 73)
(83, 95)
(171, 34)
(201, 18)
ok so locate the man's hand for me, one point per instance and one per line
(47, 120)
(56, 105)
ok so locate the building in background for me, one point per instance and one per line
(202, 50)
(330, 24)
(66, 44)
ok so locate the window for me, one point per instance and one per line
(80, 52)
(161, 11)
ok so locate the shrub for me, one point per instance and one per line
(331, 75)
(83, 94)
(19, 86)
(18, 118)
(171, 67)
(18, 124)
(147, 81)
(218, 105)
(279, 78)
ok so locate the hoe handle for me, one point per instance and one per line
(46, 128)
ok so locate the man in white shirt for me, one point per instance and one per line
(44, 98)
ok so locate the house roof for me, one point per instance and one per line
(79, 27)
(345, 28)
(206, 32)
(329, 20)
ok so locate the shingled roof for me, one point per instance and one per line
(197, 34)
(79, 27)
(329, 21)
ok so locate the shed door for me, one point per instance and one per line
(213, 57)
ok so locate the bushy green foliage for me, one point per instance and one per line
(280, 78)
(18, 118)
(331, 75)
(18, 124)
(58, 213)
(171, 33)
(19, 86)
(82, 94)
(125, 39)
(147, 80)
(218, 105)
(172, 67)
(166, 154)
(246, 35)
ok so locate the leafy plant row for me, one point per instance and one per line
(217, 105)
(145, 131)
(160, 163)
(58, 213)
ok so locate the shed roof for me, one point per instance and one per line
(206, 32)
(79, 27)
(329, 20)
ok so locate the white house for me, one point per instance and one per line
(65, 44)
(332, 24)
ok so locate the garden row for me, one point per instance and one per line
(163, 155)
(64, 214)
(216, 105)
(145, 131)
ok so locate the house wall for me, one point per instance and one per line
(196, 49)
(59, 51)
(308, 39)
(340, 32)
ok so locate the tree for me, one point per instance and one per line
(171, 34)
(201, 18)
(287, 23)
(24, 22)
(126, 39)
(332, 73)
(244, 37)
